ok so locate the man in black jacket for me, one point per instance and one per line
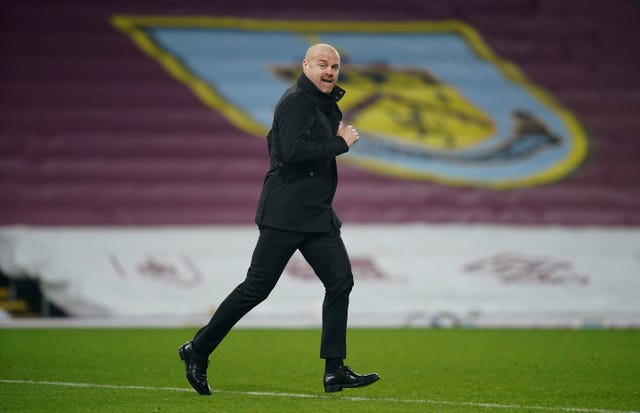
(295, 213)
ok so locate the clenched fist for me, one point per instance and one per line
(348, 133)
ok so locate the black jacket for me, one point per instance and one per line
(303, 144)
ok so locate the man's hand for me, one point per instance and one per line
(348, 133)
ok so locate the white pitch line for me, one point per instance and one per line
(315, 396)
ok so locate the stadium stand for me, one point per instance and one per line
(93, 132)
(102, 149)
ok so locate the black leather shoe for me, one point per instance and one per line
(345, 377)
(195, 368)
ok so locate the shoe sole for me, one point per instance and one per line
(340, 387)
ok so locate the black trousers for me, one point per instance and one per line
(328, 257)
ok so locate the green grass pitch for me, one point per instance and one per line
(279, 370)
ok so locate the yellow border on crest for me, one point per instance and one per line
(134, 27)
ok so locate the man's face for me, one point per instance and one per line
(322, 68)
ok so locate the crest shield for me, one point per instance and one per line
(431, 100)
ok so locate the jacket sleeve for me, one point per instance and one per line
(299, 140)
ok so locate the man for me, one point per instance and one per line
(295, 213)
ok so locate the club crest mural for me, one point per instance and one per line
(430, 99)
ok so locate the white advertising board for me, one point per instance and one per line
(406, 275)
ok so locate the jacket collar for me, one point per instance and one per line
(336, 94)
